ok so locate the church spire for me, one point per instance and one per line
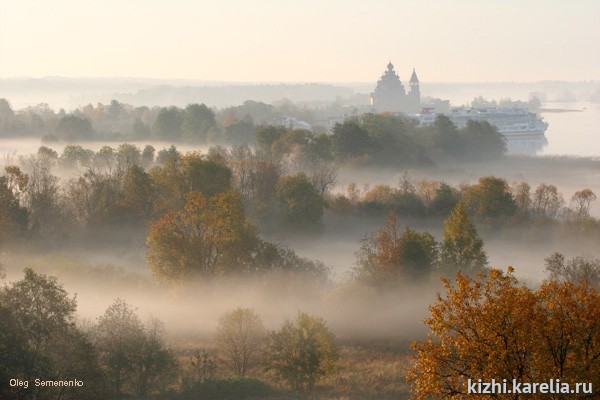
(413, 77)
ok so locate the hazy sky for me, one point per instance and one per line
(301, 41)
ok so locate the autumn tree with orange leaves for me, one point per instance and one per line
(212, 238)
(199, 238)
(491, 327)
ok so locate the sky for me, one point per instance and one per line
(302, 41)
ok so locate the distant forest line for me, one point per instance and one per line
(364, 138)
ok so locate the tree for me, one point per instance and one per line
(522, 196)
(240, 337)
(106, 159)
(495, 328)
(547, 201)
(207, 176)
(13, 216)
(446, 136)
(195, 240)
(482, 141)
(444, 201)
(323, 176)
(302, 351)
(93, 199)
(462, 249)
(349, 140)
(301, 204)
(128, 155)
(148, 156)
(138, 195)
(165, 155)
(74, 156)
(575, 270)
(581, 201)
(37, 317)
(72, 128)
(240, 132)
(118, 337)
(266, 135)
(41, 196)
(490, 198)
(168, 123)
(179, 175)
(198, 119)
(390, 256)
(154, 365)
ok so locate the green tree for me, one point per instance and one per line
(39, 339)
(198, 119)
(93, 200)
(154, 364)
(165, 155)
(128, 155)
(462, 249)
(302, 352)
(241, 338)
(180, 175)
(135, 357)
(446, 136)
(349, 140)
(482, 141)
(266, 135)
(74, 156)
(118, 336)
(72, 128)
(42, 197)
(240, 132)
(168, 123)
(148, 155)
(444, 201)
(105, 159)
(141, 129)
(137, 195)
(490, 198)
(206, 176)
(301, 204)
(13, 216)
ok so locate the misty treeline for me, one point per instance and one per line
(383, 139)
(534, 103)
(543, 333)
(287, 186)
(118, 356)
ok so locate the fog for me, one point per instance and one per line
(99, 267)
(99, 273)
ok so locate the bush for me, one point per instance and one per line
(302, 351)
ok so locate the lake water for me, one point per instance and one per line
(573, 133)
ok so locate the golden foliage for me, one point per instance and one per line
(494, 328)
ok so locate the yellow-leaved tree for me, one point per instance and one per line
(493, 328)
(200, 238)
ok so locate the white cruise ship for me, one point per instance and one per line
(522, 130)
